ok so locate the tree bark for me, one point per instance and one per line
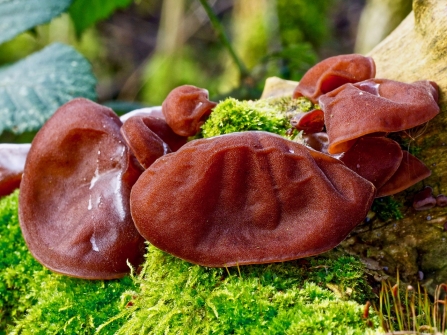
(415, 246)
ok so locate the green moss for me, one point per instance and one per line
(35, 301)
(387, 208)
(231, 116)
(172, 296)
(272, 115)
(176, 297)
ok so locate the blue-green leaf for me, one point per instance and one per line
(32, 89)
(17, 16)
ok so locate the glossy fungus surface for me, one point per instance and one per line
(12, 162)
(148, 111)
(376, 106)
(424, 199)
(410, 172)
(332, 73)
(150, 138)
(309, 122)
(317, 141)
(250, 197)
(374, 158)
(74, 199)
(186, 108)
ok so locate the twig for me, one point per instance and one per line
(224, 38)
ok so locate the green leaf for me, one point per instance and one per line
(86, 13)
(17, 16)
(32, 89)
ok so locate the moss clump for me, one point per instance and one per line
(35, 301)
(232, 115)
(176, 297)
(387, 208)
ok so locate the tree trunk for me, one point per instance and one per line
(415, 246)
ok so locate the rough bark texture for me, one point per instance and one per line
(416, 245)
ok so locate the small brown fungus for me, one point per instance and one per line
(309, 122)
(150, 138)
(246, 198)
(441, 200)
(411, 171)
(376, 106)
(186, 108)
(424, 199)
(374, 158)
(74, 200)
(12, 162)
(332, 73)
(148, 111)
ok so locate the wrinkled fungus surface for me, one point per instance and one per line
(334, 72)
(376, 106)
(186, 108)
(374, 158)
(250, 197)
(74, 199)
(12, 162)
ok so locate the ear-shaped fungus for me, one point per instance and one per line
(334, 72)
(410, 172)
(150, 138)
(317, 141)
(309, 122)
(376, 106)
(186, 108)
(374, 158)
(12, 162)
(251, 197)
(74, 199)
(424, 199)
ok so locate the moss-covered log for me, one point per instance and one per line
(417, 244)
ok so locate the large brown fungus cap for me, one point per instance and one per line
(74, 199)
(12, 162)
(376, 106)
(186, 109)
(250, 197)
(334, 72)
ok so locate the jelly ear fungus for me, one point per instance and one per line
(74, 200)
(334, 72)
(246, 198)
(186, 108)
(12, 162)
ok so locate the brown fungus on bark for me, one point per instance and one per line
(376, 106)
(332, 73)
(309, 122)
(12, 162)
(441, 200)
(374, 158)
(410, 172)
(247, 198)
(424, 199)
(74, 199)
(186, 108)
(150, 138)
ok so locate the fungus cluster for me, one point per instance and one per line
(359, 112)
(95, 187)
